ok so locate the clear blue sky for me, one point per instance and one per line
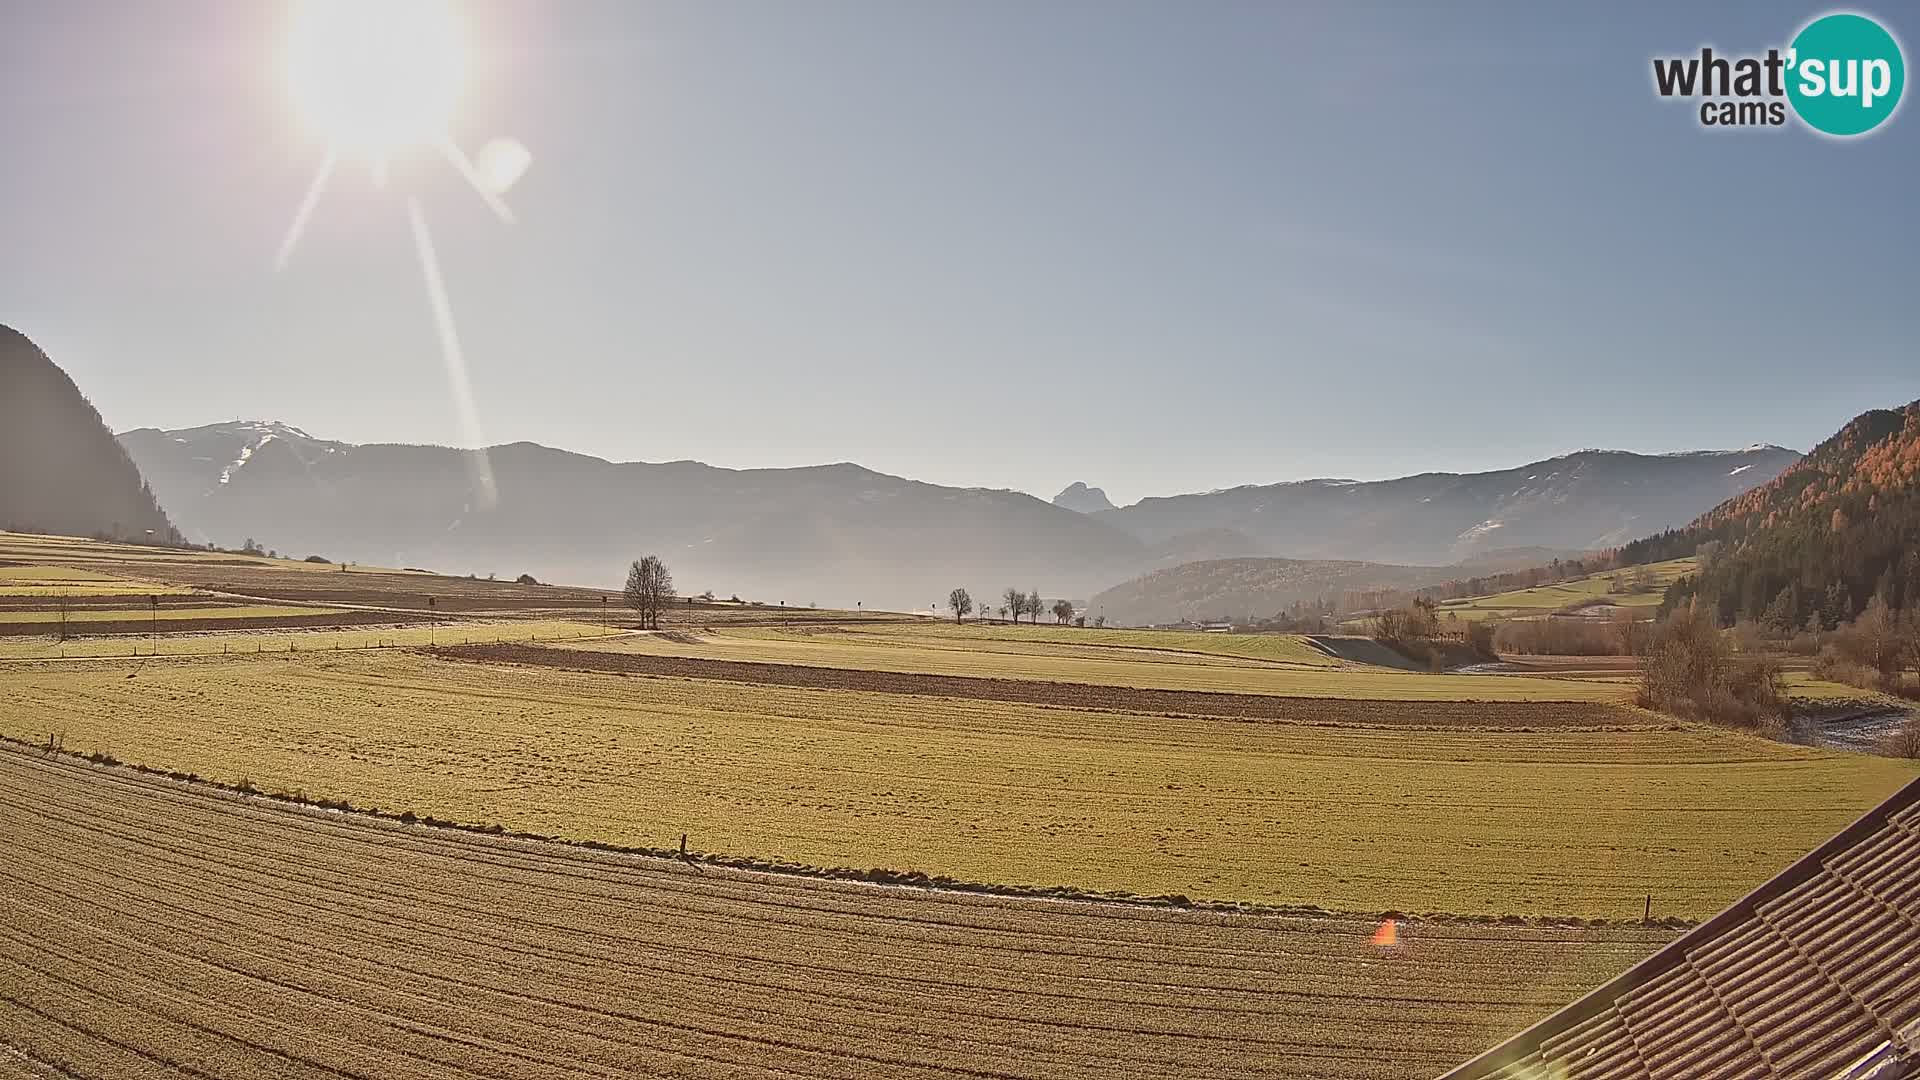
(1157, 247)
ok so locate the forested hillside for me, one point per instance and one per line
(61, 471)
(1817, 542)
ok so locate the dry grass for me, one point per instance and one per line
(311, 640)
(1576, 822)
(1006, 654)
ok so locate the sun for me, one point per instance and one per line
(374, 77)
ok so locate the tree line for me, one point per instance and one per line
(1013, 604)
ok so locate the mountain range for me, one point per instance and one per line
(1589, 500)
(842, 534)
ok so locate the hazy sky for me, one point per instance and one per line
(1156, 247)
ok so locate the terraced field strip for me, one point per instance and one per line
(332, 633)
(1392, 713)
(909, 652)
(1273, 648)
(1323, 809)
(155, 929)
(168, 614)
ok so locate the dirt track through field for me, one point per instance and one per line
(1411, 714)
(154, 928)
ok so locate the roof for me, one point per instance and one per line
(1816, 973)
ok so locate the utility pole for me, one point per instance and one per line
(153, 605)
(605, 626)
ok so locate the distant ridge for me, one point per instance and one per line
(1082, 499)
(844, 535)
(60, 469)
(1588, 500)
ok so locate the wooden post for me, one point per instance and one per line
(1648, 917)
(683, 845)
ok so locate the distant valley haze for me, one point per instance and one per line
(843, 534)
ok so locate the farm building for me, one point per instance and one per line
(1816, 973)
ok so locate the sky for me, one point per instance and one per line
(1154, 247)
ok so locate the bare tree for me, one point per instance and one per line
(960, 604)
(1063, 611)
(1003, 613)
(1035, 606)
(1016, 603)
(649, 588)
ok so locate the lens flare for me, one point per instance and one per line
(377, 76)
(501, 164)
(481, 469)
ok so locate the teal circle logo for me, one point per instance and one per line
(1845, 74)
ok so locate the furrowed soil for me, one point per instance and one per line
(156, 929)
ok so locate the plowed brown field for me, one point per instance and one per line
(153, 928)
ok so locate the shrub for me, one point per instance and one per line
(317, 559)
(1560, 637)
(1481, 638)
(526, 579)
(1691, 670)
(1905, 742)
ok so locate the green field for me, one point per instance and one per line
(1613, 587)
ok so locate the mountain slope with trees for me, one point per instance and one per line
(60, 469)
(1815, 544)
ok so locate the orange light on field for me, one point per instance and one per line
(1388, 936)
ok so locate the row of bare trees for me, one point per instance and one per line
(1016, 604)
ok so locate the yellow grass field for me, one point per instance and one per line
(156, 929)
(1007, 653)
(322, 639)
(1569, 822)
(48, 580)
(163, 616)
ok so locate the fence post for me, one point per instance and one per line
(1648, 917)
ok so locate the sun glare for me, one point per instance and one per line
(377, 76)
